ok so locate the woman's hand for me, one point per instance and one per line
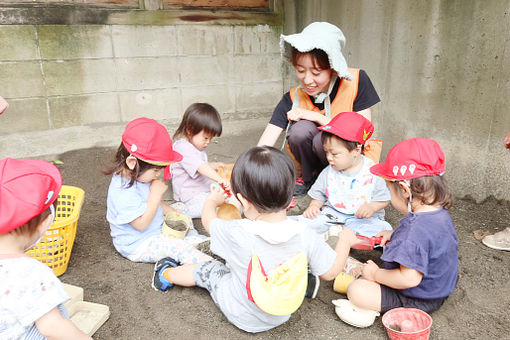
(298, 114)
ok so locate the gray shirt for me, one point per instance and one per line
(236, 245)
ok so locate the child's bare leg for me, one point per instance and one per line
(365, 294)
(181, 276)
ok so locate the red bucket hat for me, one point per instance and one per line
(149, 141)
(27, 188)
(350, 126)
(412, 158)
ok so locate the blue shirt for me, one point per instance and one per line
(124, 205)
(426, 242)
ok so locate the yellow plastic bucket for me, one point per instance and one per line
(56, 245)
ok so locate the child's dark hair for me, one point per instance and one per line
(431, 190)
(30, 227)
(327, 136)
(198, 117)
(320, 58)
(119, 164)
(265, 177)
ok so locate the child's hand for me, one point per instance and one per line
(386, 236)
(365, 211)
(312, 211)
(216, 165)
(226, 184)
(158, 187)
(217, 195)
(369, 270)
(348, 236)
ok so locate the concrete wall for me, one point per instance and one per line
(442, 69)
(76, 86)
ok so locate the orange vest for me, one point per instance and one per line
(344, 99)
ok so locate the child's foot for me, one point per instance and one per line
(159, 282)
(313, 286)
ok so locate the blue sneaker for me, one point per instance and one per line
(158, 281)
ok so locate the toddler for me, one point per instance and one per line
(346, 191)
(193, 175)
(135, 209)
(263, 181)
(421, 259)
(31, 296)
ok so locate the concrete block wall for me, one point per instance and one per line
(76, 86)
(442, 70)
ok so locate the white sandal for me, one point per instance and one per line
(353, 315)
(499, 241)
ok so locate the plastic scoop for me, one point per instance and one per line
(367, 243)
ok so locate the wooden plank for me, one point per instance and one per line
(218, 3)
(129, 3)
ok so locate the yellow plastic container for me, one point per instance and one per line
(226, 171)
(56, 245)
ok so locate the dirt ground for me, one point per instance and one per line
(478, 309)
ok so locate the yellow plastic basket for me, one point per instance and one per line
(56, 245)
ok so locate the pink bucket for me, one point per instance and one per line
(407, 324)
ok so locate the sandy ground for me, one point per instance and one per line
(478, 309)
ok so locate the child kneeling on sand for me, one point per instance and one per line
(263, 181)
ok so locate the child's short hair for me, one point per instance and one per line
(119, 164)
(430, 190)
(198, 117)
(326, 137)
(265, 177)
(30, 227)
(320, 58)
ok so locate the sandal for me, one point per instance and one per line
(353, 315)
(499, 241)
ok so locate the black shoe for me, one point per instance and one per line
(313, 286)
(159, 282)
(302, 187)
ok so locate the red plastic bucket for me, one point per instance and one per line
(407, 324)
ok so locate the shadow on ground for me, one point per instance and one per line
(478, 309)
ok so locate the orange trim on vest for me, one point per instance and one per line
(344, 99)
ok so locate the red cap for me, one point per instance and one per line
(27, 188)
(149, 141)
(350, 126)
(3, 105)
(412, 158)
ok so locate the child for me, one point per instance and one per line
(193, 176)
(263, 181)
(135, 209)
(421, 259)
(31, 296)
(346, 191)
(326, 87)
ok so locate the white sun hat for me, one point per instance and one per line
(323, 36)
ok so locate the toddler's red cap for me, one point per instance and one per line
(27, 188)
(149, 141)
(412, 158)
(350, 126)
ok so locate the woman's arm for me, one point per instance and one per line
(270, 135)
(367, 113)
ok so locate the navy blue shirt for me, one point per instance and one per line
(426, 242)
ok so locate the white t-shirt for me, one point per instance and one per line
(28, 290)
(231, 241)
